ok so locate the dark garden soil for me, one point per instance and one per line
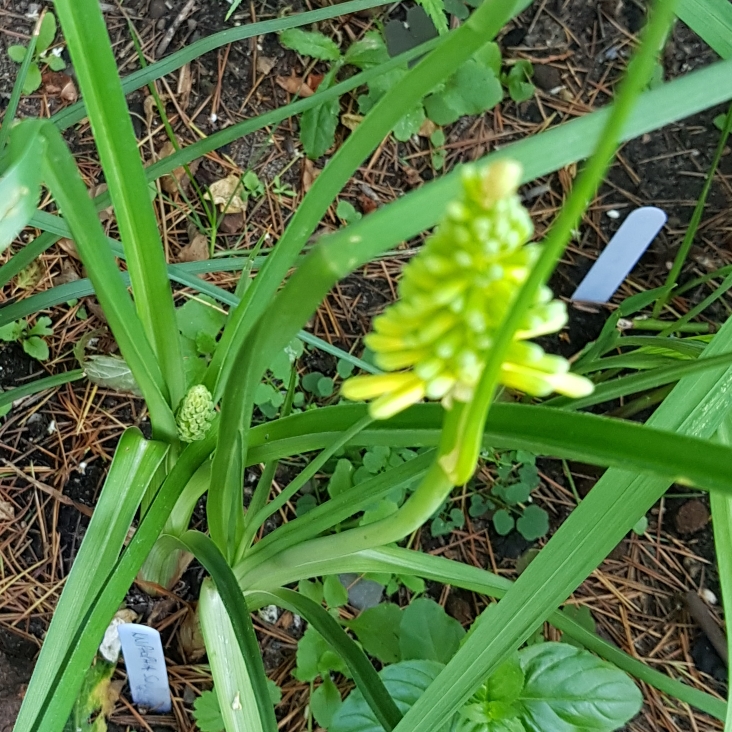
(55, 447)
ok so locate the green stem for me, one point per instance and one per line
(434, 488)
(636, 78)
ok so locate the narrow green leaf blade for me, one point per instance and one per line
(136, 461)
(366, 678)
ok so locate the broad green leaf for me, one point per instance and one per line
(33, 79)
(502, 521)
(55, 63)
(533, 523)
(334, 593)
(315, 657)
(405, 682)
(517, 493)
(310, 43)
(17, 53)
(379, 511)
(200, 315)
(346, 212)
(111, 372)
(369, 51)
(207, 712)
(519, 86)
(409, 124)
(12, 331)
(317, 128)
(570, 690)
(281, 367)
(435, 9)
(36, 348)
(489, 56)
(471, 90)
(427, 632)
(47, 32)
(506, 682)
(342, 478)
(325, 702)
(42, 327)
(312, 589)
(377, 629)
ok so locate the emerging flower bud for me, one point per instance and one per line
(454, 296)
(195, 414)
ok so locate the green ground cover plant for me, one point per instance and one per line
(219, 379)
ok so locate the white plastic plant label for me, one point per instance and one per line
(145, 662)
(617, 259)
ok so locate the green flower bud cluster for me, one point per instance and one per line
(453, 297)
(195, 414)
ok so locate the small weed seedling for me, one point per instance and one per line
(517, 476)
(43, 54)
(30, 337)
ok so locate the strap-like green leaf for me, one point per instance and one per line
(256, 690)
(96, 70)
(135, 464)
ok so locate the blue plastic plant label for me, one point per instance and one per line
(145, 662)
(617, 259)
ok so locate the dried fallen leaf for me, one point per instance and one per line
(265, 64)
(177, 180)
(69, 247)
(149, 107)
(314, 81)
(225, 193)
(7, 511)
(196, 251)
(30, 276)
(68, 274)
(351, 120)
(58, 84)
(295, 85)
(232, 223)
(413, 176)
(428, 128)
(191, 638)
(309, 174)
(368, 205)
(106, 213)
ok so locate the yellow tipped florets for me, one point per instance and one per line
(195, 414)
(453, 297)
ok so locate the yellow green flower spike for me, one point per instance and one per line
(453, 297)
(196, 414)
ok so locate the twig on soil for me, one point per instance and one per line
(187, 10)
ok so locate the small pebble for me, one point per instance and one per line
(691, 517)
(708, 596)
(547, 77)
(157, 9)
(613, 214)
